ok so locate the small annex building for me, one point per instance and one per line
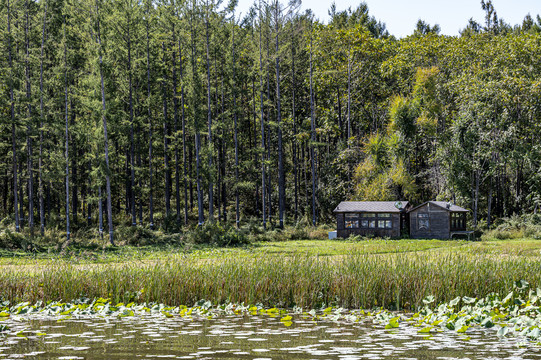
(376, 218)
(437, 220)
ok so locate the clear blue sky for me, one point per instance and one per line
(400, 16)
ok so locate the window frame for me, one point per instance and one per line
(352, 222)
(423, 221)
(376, 221)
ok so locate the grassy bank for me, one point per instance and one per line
(358, 280)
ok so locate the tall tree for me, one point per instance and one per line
(105, 134)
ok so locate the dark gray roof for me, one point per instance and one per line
(444, 205)
(369, 206)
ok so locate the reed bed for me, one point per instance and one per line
(392, 281)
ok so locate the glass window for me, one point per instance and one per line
(351, 221)
(372, 224)
(422, 216)
(388, 224)
(384, 215)
(364, 224)
(458, 221)
(368, 215)
(424, 224)
(381, 224)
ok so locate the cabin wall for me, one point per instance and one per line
(342, 232)
(437, 227)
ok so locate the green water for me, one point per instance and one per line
(238, 337)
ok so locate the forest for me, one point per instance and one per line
(175, 113)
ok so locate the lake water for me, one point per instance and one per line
(244, 337)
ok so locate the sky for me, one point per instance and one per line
(400, 16)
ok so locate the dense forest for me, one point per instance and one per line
(179, 112)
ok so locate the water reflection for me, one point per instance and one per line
(237, 337)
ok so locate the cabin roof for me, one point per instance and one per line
(442, 204)
(370, 206)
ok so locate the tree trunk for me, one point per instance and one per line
(281, 175)
(166, 141)
(185, 173)
(209, 118)
(106, 138)
(150, 180)
(175, 116)
(29, 128)
(295, 170)
(201, 217)
(349, 98)
(235, 125)
(313, 138)
(67, 133)
(42, 117)
(262, 109)
(132, 154)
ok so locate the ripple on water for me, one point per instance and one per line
(258, 337)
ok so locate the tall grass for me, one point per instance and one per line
(354, 281)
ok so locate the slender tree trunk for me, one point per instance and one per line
(349, 98)
(106, 138)
(67, 133)
(149, 98)
(42, 117)
(201, 217)
(262, 109)
(132, 154)
(175, 116)
(166, 141)
(74, 187)
(209, 118)
(293, 108)
(281, 174)
(269, 132)
(223, 154)
(89, 204)
(29, 128)
(100, 209)
(185, 175)
(235, 120)
(475, 198)
(313, 138)
(489, 206)
(254, 114)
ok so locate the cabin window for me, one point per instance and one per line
(351, 221)
(368, 215)
(376, 221)
(458, 221)
(423, 222)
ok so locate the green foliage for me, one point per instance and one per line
(515, 227)
(216, 234)
(13, 241)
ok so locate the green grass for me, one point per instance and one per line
(85, 255)
(365, 274)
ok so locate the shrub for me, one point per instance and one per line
(516, 227)
(14, 241)
(216, 234)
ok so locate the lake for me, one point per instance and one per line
(39, 336)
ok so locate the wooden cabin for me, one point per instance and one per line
(437, 220)
(375, 218)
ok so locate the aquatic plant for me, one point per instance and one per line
(390, 281)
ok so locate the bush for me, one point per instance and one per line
(216, 234)
(516, 227)
(135, 235)
(14, 241)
